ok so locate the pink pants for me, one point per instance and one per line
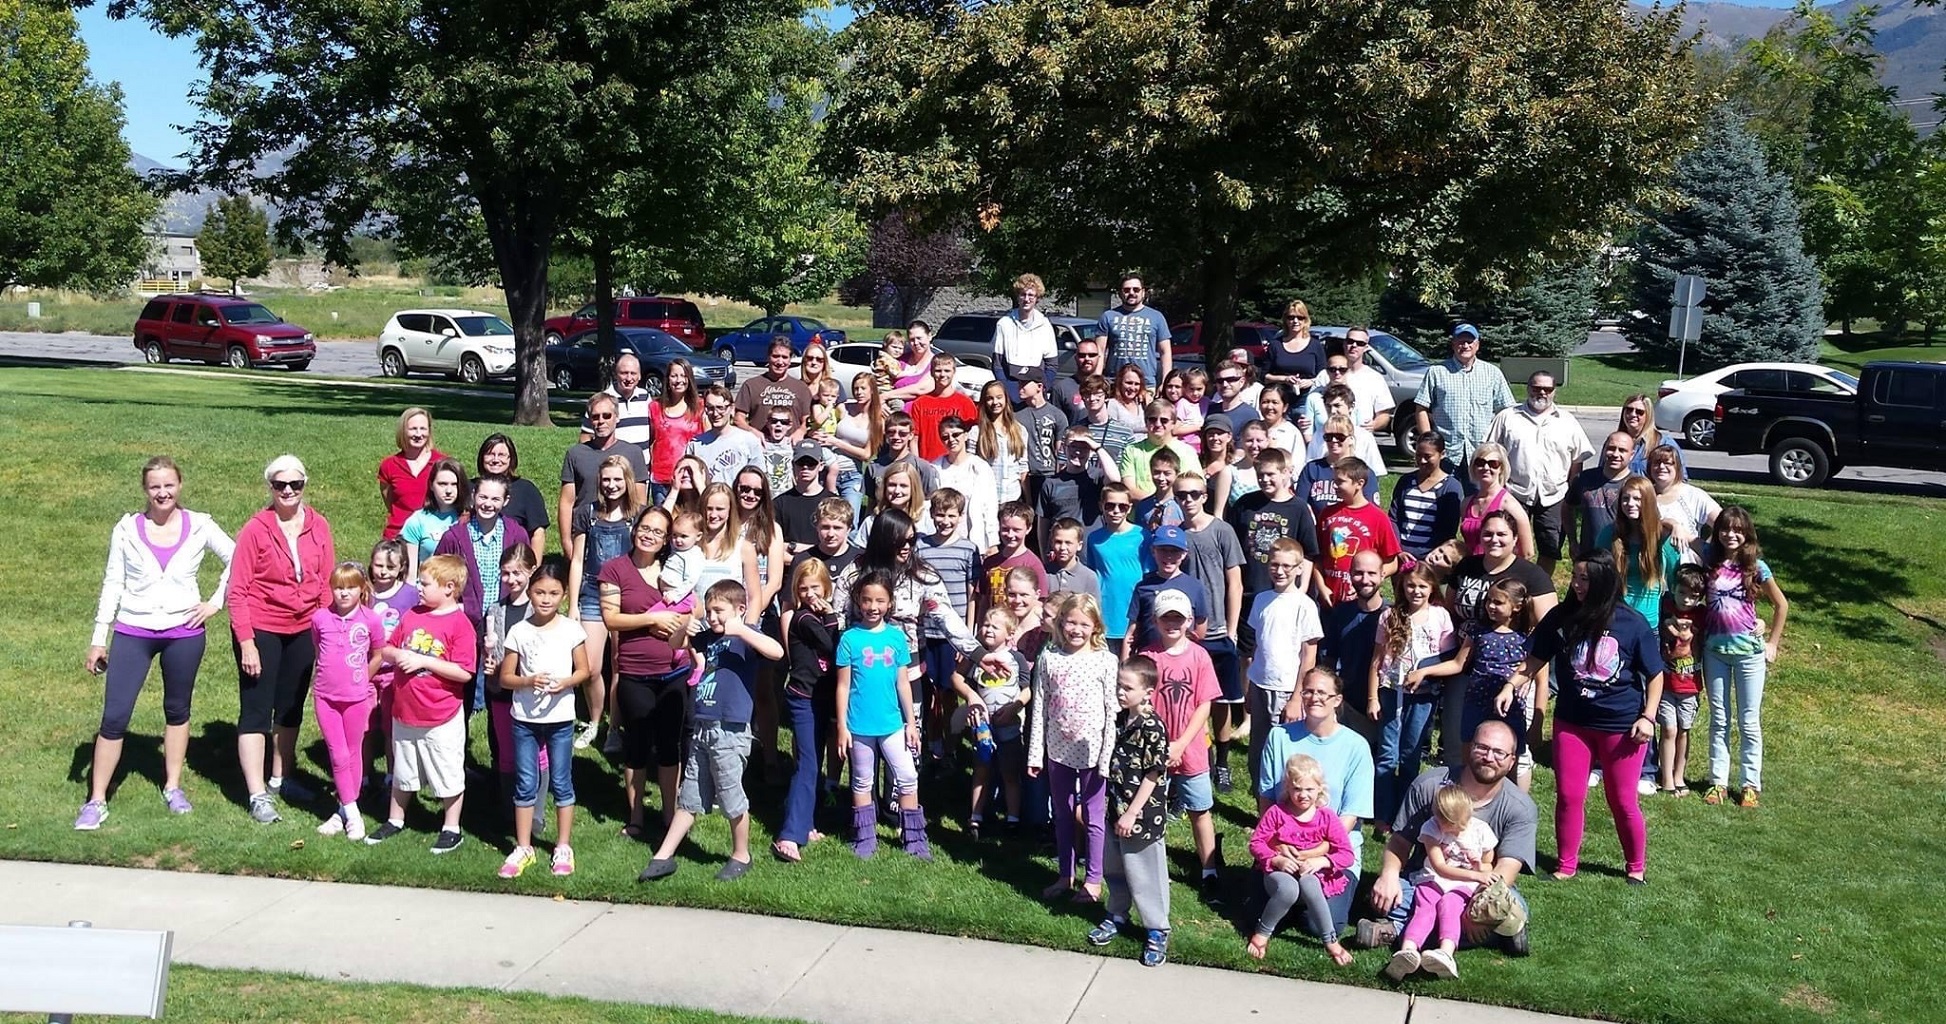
(1087, 789)
(1428, 903)
(1577, 749)
(344, 725)
(500, 718)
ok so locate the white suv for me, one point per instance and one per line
(461, 343)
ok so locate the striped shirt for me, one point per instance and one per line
(956, 561)
(1113, 435)
(632, 423)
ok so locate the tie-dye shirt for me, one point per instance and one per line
(874, 657)
(1732, 627)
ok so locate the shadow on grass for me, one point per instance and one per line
(1843, 584)
(141, 759)
(55, 363)
(1838, 484)
(284, 396)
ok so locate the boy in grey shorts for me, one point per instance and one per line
(719, 730)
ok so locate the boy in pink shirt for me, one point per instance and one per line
(435, 652)
(1183, 696)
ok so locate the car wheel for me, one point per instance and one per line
(552, 337)
(652, 385)
(471, 370)
(1799, 462)
(237, 358)
(1700, 429)
(391, 363)
(563, 378)
(152, 351)
(727, 354)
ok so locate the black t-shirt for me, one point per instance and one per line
(1593, 496)
(1471, 580)
(813, 644)
(1258, 522)
(797, 515)
(1070, 493)
(1306, 365)
(1602, 683)
(837, 563)
(1350, 638)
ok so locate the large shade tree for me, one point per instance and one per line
(1213, 143)
(453, 118)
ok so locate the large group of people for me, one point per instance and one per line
(1093, 591)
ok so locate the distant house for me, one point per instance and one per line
(172, 265)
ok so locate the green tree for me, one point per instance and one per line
(1548, 317)
(73, 214)
(453, 120)
(1212, 145)
(1735, 224)
(235, 240)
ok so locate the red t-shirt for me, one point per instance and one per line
(408, 490)
(1184, 681)
(927, 411)
(422, 699)
(1344, 531)
(993, 576)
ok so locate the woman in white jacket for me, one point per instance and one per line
(151, 601)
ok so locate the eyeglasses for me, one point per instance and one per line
(1492, 753)
(717, 410)
(293, 486)
(1319, 694)
(1337, 437)
(1281, 567)
(1191, 495)
(1116, 506)
(1337, 369)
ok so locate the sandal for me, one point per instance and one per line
(1058, 889)
(786, 851)
(1090, 892)
(1679, 791)
(1716, 795)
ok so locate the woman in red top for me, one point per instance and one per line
(403, 475)
(278, 578)
(675, 417)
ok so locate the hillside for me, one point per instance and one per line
(1911, 38)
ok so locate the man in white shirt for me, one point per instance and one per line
(1545, 449)
(724, 447)
(1373, 403)
(1023, 340)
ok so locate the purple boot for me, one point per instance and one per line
(864, 831)
(913, 830)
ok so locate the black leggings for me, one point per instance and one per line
(276, 696)
(653, 713)
(128, 668)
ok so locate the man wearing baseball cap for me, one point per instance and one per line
(1460, 397)
(797, 508)
(1168, 549)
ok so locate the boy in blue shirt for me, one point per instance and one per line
(1168, 551)
(719, 730)
(1115, 552)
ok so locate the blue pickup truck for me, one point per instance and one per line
(1897, 420)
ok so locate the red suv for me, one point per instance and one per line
(220, 329)
(1187, 339)
(679, 317)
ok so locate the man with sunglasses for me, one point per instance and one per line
(1137, 335)
(1116, 551)
(1216, 559)
(1161, 419)
(582, 463)
(1460, 397)
(1234, 392)
(1545, 449)
(724, 447)
(1067, 390)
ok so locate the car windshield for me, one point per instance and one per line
(1845, 378)
(659, 344)
(249, 315)
(810, 324)
(1400, 355)
(484, 327)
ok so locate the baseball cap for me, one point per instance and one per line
(807, 450)
(1173, 601)
(1170, 537)
(1219, 421)
(1467, 329)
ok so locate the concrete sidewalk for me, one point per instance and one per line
(733, 963)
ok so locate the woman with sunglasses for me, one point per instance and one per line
(1489, 471)
(814, 366)
(1295, 357)
(278, 579)
(764, 571)
(1638, 422)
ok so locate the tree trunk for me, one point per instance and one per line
(1219, 288)
(521, 228)
(605, 350)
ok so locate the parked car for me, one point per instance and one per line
(220, 329)
(462, 343)
(971, 334)
(675, 316)
(1896, 418)
(853, 358)
(1186, 340)
(1688, 406)
(574, 364)
(751, 342)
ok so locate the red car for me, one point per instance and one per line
(679, 317)
(1187, 339)
(220, 329)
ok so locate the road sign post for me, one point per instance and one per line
(1686, 315)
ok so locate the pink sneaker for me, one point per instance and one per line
(563, 861)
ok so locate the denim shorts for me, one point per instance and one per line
(712, 773)
(1192, 792)
(1677, 711)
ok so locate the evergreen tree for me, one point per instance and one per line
(235, 240)
(1548, 317)
(1735, 224)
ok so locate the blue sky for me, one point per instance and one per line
(157, 74)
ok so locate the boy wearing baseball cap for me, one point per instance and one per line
(1185, 689)
(797, 508)
(1168, 550)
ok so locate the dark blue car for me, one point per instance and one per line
(573, 365)
(751, 342)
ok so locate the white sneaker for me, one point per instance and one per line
(1402, 964)
(331, 826)
(1594, 779)
(1645, 787)
(1439, 963)
(585, 736)
(355, 828)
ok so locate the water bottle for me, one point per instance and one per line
(983, 745)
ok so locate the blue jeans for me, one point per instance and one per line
(1405, 727)
(1729, 677)
(807, 741)
(851, 487)
(529, 738)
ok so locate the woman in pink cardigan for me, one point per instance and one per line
(278, 578)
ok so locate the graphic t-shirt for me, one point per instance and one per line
(760, 394)
(994, 570)
(344, 652)
(996, 689)
(1345, 531)
(723, 689)
(1141, 750)
(1133, 339)
(1679, 654)
(1259, 522)
(1316, 485)
(1602, 681)
(1184, 681)
(422, 699)
(1044, 427)
(874, 657)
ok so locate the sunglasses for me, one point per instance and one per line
(1161, 419)
(783, 422)
(1537, 389)
(1235, 378)
(747, 489)
(1360, 342)
(1486, 463)
(1087, 355)
(1337, 437)
(1337, 369)
(1116, 506)
(1191, 495)
(293, 486)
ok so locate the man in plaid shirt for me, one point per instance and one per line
(1459, 398)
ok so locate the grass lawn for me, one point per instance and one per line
(357, 312)
(202, 996)
(1800, 911)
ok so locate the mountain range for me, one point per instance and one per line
(1911, 39)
